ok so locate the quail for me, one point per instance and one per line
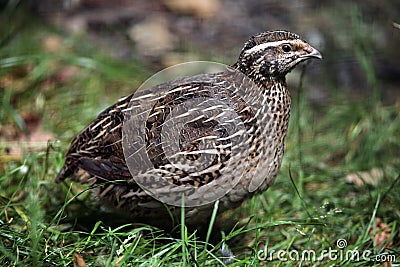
(194, 140)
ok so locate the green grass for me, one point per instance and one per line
(310, 207)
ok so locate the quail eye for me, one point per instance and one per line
(286, 48)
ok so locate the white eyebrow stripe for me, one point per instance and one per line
(266, 45)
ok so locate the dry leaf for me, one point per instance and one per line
(117, 262)
(52, 43)
(383, 232)
(78, 260)
(14, 142)
(204, 9)
(372, 177)
(152, 36)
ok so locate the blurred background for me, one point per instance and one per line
(62, 62)
(351, 34)
(171, 31)
(359, 39)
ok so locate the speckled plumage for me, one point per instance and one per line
(264, 60)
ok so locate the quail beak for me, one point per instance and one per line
(311, 53)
